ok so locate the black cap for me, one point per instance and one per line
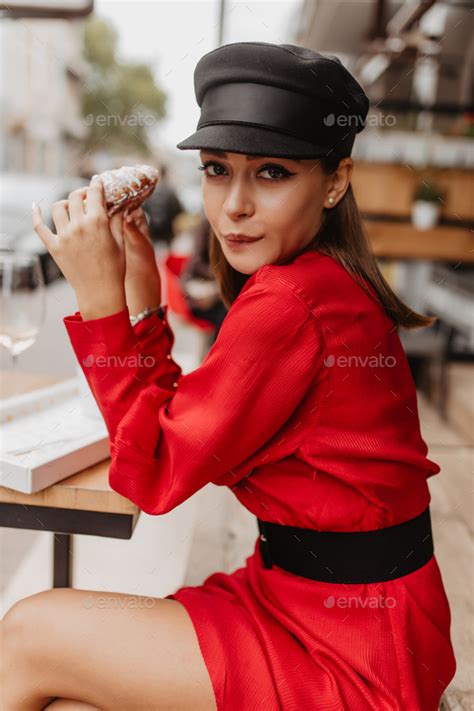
(276, 99)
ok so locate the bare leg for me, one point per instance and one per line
(112, 651)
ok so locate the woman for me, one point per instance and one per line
(304, 407)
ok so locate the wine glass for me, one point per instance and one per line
(22, 300)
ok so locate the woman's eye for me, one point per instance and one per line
(276, 172)
(208, 165)
(275, 169)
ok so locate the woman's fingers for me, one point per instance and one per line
(137, 224)
(84, 248)
(132, 232)
(84, 197)
(135, 234)
(136, 215)
(76, 204)
(60, 215)
(116, 227)
(95, 196)
(44, 233)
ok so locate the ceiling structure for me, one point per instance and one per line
(406, 53)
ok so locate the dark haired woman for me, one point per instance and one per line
(304, 407)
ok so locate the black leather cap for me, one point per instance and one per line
(276, 100)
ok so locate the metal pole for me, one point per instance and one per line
(220, 35)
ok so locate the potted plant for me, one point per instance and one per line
(426, 207)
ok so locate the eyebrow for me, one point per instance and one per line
(248, 156)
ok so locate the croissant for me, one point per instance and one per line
(128, 187)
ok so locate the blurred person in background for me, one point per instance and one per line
(200, 287)
(161, 208)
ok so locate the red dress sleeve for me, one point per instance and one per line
(170, 434)
(156, 342)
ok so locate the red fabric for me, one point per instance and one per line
(305, 407)
(174, 265)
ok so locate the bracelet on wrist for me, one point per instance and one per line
(147, 312)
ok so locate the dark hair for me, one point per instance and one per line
(341, 236)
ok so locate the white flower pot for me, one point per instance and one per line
(425, 214)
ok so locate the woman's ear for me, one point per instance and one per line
(339, 182)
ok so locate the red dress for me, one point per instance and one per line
(305, 407)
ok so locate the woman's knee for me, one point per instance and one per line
(21, 651)
(26, 622)
(15, 624)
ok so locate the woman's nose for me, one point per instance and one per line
(238, 201)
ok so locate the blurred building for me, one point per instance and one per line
(41, 70)
(415, 60)
(416, 63)
(382, 40)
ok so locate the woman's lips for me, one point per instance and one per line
(236, 240)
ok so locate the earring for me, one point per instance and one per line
(330, 200)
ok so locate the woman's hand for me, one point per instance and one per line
(142, 277)
(87, 250)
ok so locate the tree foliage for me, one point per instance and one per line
(120, 100)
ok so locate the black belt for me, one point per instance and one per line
(348, 556)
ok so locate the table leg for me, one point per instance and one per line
(62, 560)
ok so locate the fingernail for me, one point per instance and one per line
(34, 206)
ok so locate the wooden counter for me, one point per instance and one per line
(82, 503)
(401, 240)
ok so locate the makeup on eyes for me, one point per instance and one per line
(284, 172)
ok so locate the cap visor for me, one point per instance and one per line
(251, 140)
